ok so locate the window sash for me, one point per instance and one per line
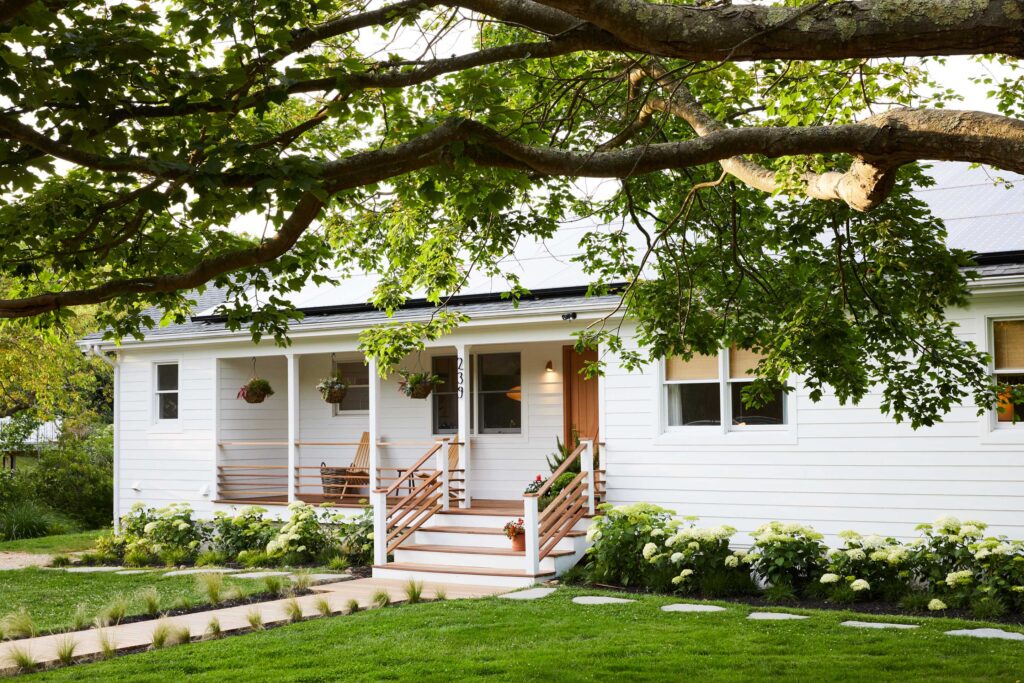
(168, 403)
(480, 395)
(363, 389)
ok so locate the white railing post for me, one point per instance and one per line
(442, 467)
(587, 466)
(373, 426)
(463, 359)
(380, 527)
(531, 522)
(293, 423)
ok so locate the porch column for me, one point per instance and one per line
(464, 394)
(217, 453)
(293, 422)
(372, 427)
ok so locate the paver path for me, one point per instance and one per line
(530, 594)
(987, 633)
(773, 616)
(599, 600)
(690, 607)
(876, 624)
(140, 634)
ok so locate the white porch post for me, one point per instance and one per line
(293, 422)
(379, 500)
(462, 362)
(587, 466)
(442, 467)
(531, 524)
(216, 430)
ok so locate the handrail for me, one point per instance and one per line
(411, 472)
(561, 470)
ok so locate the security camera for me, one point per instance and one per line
(569, 316)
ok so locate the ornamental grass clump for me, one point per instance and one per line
(293, 610)
(787, 556)
(22, 658)
(212, 586)
(413, 591)
(151, 600)
(19, 624)
(66, 646)
(323, 606)
(381, 598)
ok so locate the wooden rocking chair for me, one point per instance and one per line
(337, 481)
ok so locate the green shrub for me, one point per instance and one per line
(248, 530)
(693, 557)
(76, 477)
(211, 558)
(867, 567)
(787, 554)
(620, 535)
(353, 539)
(252, 559)
(29, 519)
(302, 538)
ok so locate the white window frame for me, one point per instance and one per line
(725, 432)
(338, 411)
(993, 415)
(433, 403)
(476, 377)
(158, 392)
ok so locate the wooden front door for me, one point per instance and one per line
(580, 396)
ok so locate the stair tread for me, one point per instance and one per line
(472, 550)
(479, 530)
(449, 569)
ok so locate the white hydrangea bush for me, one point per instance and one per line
(867, 567)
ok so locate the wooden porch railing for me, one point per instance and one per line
(254, 483)
(545, 529)
(426, 493)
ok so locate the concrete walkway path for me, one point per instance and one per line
(43, 649)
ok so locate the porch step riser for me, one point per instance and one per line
(514, 562)
(446, 578)
(496, 541)
(476, 521)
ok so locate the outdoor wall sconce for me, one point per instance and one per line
(569, 316)
(549, 367)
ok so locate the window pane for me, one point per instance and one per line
(499, 371)
(1009, 343)
(694, 405)
(742, 362)
(446, 413)
(771, 414)
(168, 406)
(445, 368)
(1009, 409)
(499, 414)
(698, 367)
(356, 398)
(354, 373)
(167, 377)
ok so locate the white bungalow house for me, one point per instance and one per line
(674, 434)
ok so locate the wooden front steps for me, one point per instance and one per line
(468, 550)
(482, 530)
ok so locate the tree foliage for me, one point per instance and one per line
(762, 155)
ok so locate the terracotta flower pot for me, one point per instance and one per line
(519, 542)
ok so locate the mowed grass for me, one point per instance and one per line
(54, 545)
(555, 640)
(53, 597)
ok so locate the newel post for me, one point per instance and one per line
(442, 467)
(380, 526)
(531, 522)
(587, 466)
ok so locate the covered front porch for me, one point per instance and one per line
(514, 400)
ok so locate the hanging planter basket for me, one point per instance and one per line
(256, 390)
(333, 388)
(417, 384)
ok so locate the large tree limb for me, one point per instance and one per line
(829, 30)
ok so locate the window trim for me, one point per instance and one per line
(991, 414)
(476, 393)
(433, 400)
(157, 392)
(336, 410)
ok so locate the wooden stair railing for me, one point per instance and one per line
(427, 493)
(574, 502)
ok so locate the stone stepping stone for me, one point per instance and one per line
(259, 575)
(200, 570)
(875, 624)
(987, 633)
(327, 578)
(690, 607)
(531, 594)
(773, 616)
(92, 570)
(133, 572)
(599, 600)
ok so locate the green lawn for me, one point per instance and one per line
(54, 545)
(555, 640)
(52, 597)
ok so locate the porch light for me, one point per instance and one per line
(515, 393)
(549, 367)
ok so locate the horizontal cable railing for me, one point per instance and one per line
(544, 529)
(422, 491)
(252, 482)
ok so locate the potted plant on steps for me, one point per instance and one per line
(516, 532)
(255, 390)
(417, 384)
(333, 388)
